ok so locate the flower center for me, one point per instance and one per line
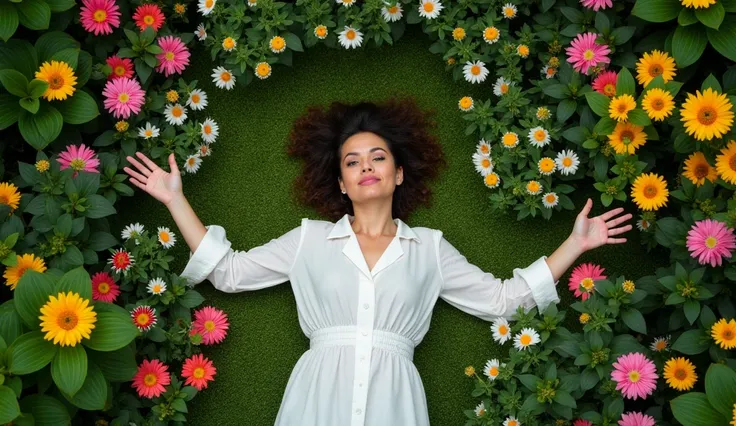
(551, 198)
(157, 288)
(149, 133)
(150, 379)
(588, 55)
(707, 115)
(67, 320)
(475, 70)
(661, 345)
(587, 284)
(525, 339)
(198, 373)
(681, 374)
(121, 260)
(494, 371)
(634, 376)
(508, 11)
(701, 171)
(225, 77)
(100, 16)
(503, 330)
(176, 112)
(77, 164)
(504, 88)
(650, 191)
(169, 56)
(621, 108)
(567, 161)
(164, 237)
(103, 288)
(727, 335)
(711, 242)
(540, 135)
(143, 319)
(209, 3)
(207, 129)
(609, 89)
(148, 20)
(486, 163)
(209, 325)
(120, 70)
(657, 104)
(393, 9)
(195, 99)
(732, 162)
(627, 136)
(655, 70)
(123, 97)
(428, 7)
(350, 34)
(191, 162)
(56, 82)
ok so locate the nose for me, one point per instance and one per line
(368, 167)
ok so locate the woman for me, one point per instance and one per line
(366, 285)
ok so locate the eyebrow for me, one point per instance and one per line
(372, 149)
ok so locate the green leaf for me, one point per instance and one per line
(69, 368)
(572, 14)
(29, 104)
(686, 17)
(54, 41)
(30, 352)
(639, 117)
(692, 310)
(9, 408)
(116, 366)
(42, 128)
(634, 320)
(93, 394)
(691, 342)
(113, 330)
(84, 68)
(11, 325)
(711, 82)
(191, 299)
(99, 207)
(598, 103)
(79, 109)
(14, 82)
(722, 40)
(179, 405)
(720, 388)
(563, 398)
(711, 16)
(100, 241)
(46, 410)
(566, 109)
(688, 44)
(189, 391)
(622, 34)
(20, 56)
(70, 56)
(588, 379)
(36, 88)
(625, 83)
(34, 14)
(9, 110)
(557, 91)
(693, 409)
(57, 6)
(77, 281)
(529, 381)
(293, 42)
(8, 20)
(602, 23)
(656, 10)
(31, 293)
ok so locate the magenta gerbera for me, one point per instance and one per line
(635, 375)
(581, 422)
(710, 241)
(175, 55)
(148, 15)
(582, 279)
(584, 53)
(124, 97)
(104, 288)
(605, 83)
(121, 67)
(636, 419)
(596, 4)
(79, 158)
(211, 323)
(99, 16)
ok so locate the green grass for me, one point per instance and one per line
(245, 185)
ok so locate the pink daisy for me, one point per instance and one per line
(104, 288)
(124, 97)
(198, 371)
(584, 53)
(149, 15)
(581, 422)
(79, 158)
(121, 67)
(582, 280)
(151, 378)
(175, 55)
(144, 317)
(597, 4)
(635, 375)
(636, 419)
(99, 16)
(710, 241)
(211, 323)
(605, 83)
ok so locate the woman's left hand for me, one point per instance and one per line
(589, 233)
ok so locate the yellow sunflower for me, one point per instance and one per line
(60, 77)
(655, 64)
(627, 137)
(680, 374)
(724, 333)
(708, 115)
(620, 106)
(649, 191)
(9, 195)
(67, 318)
(726, 163)
(658, 104)
(697, 169)
(25, 262)
(695, 4)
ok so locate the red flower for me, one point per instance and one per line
(144, 317)
(151, 378)
(104, 288)
(148, 15)
(121, 67)
(198, 371)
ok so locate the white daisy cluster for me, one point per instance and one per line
(484, 164)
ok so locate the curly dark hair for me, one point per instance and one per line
(317, 137)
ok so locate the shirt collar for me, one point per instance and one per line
(343, 228)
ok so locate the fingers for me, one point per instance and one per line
(611, 213)
(618, 220)
(144, 170)
(149, 163)
(135, 175)
(620, 230)
(616, 240)
(135, 182)
(586, 208)
(172, 163)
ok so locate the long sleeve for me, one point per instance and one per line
(481, 294)
(234, 271)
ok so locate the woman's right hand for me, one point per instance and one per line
(163, 186)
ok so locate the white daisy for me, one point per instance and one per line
(320, 31)
(480, 409)
(491, 34)
(501, 86)
(149, 131)
(533, 187)
(483, 148)
(346, 3)
(192, 163)
(643, 224)
(350, 38)
(510, 140)
(550, 200)
(430, 9)
(509, 11)
(483, 164)
(549, 72)
(209, 131)
(392, 13)
(538, 136)
(491, 369)
(229, 44)
(156, 286)
(197, 100)
(201, 33)
(206, 6)
(492, 180)
(511, 421)
(252, 3)
(501, 330)
(475, 72)
(131, 231)
(224, 79)
(204, 150)
(166, 237)
(567, 162)
(277, 44)
(175, 114)
(660, 344)
(526, 337)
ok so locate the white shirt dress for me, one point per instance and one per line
(363, 325)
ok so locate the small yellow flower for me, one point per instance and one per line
(121, 126)
(658, 104)
(628, 286)
(680, 374)
(584, 318)
(60, 77)
(491, 35)
(67, 318)
(9, 195)
(533, 187)
(466, 103)
(172, 96)
(697, 169)
(25, 262)
(492, 180)
(724, 333)
(620, 107)
(229, 43)
(546, 166)
(277, 44)
(543, 113)
(451, 61)
(458, 33)
(469, 371)
(320, 31)
(522, 50)
(42, 165)
(179, 8)
(554, 62)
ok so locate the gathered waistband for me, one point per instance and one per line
(346, 335)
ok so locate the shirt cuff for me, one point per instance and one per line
(541, 282)
(213, 247)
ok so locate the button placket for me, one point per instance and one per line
(363, 349)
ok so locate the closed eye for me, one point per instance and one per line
(377, 158)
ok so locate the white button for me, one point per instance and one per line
(365, 332)
(366, 306)
(358, 411)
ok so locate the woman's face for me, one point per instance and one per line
(368, 168)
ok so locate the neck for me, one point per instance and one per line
(374, 221)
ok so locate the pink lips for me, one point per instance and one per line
(368, 181)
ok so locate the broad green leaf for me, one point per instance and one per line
(720, 388)
(8, 20)
(30, 352)
(598, 102)
(93, 394)
(692, 342)
(46, 410)
(693, 409)
(113, 330)
(688, 44)
(625, 83)
(31, 293)
(34, 14)
(723, 39)
(41, 128)
(80, 108)
(9, 110)
(69, 368)
(14, 82)
(711, 16)
(9, 408)
(657, 10)
(77, 281)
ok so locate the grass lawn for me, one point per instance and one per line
(245, 185)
